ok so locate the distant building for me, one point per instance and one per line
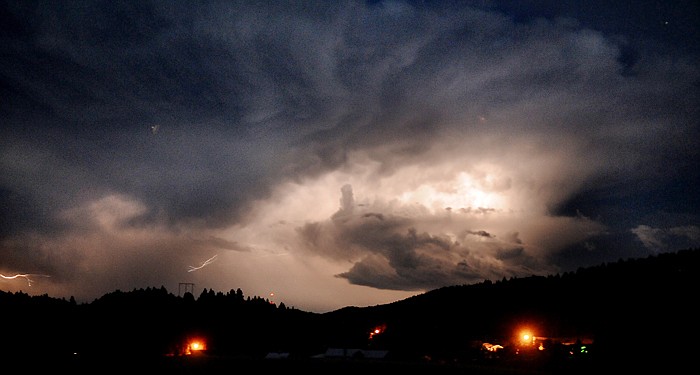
(277, 355)
(351, 353)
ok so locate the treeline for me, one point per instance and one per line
(634, 309)
(146, 322)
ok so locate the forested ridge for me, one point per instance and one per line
(641, 308)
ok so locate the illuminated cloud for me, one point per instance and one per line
(421, 234)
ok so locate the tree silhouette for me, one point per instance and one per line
(634, 311)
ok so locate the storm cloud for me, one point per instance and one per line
(379, 149)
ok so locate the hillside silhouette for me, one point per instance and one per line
(633, 313)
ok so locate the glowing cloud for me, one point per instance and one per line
(414, 227)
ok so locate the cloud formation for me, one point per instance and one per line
(370, 151)
(655, 238)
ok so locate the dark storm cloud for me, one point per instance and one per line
(482, 233)
(390, 253)
(106, 71)
(102, 73)
(657, 239)
(187, 118)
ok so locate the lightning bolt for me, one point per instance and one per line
(207, 262)
(24, 276)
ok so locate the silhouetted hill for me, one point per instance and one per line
(634, 311)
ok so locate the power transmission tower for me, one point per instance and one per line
(184, 288)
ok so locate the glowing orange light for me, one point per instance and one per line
(376, 331)
(195, 346)
(526, 337)
(491, 347)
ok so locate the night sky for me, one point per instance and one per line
(341, 153)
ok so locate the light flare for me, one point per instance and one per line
(377, 330)
(195, 346)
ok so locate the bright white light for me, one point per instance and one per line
(25, 276)
(207, 262)
(460, 192)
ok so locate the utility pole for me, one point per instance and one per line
(184, 288)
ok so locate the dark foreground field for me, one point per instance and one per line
(203, 364)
